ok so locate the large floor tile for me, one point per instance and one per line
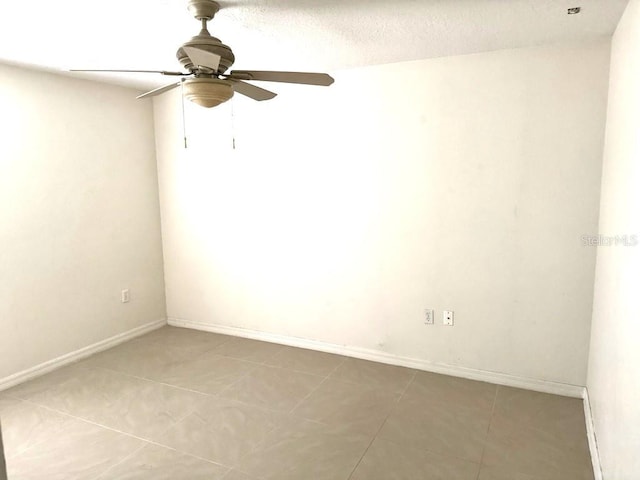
(153, 462)
(148, 411)
(360, 407)
(236, 475)
(25, 425)
(561, 416)
(209, 373)
(519, 448)
(395, 379)
(272, 387)
(306, 361)
(538, 434)
(141, 358)
(7, 402)
(493, 473)
(458, 430)
(38, 385)
(116, 400)
(433, 387)
(247, 349)
(87, 391)
(388, 461)
(306, 450)
(194, 341)
(81, 452)
(221, 430)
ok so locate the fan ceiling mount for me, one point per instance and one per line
(207, 60)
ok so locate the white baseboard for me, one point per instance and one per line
(71, 357)
(556, 388)
(591, 437)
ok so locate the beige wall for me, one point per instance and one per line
(79, 216)
(614, 361)
(462, 183)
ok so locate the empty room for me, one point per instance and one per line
(403, 246)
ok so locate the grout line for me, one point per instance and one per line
(484, 446)
(397, 401)
(373, 439)
(317, 387)
(290, 370)
(429, 450)
(147, 380)
(364, 454)
(197, 356)
(81, 419)
(311, 392)
(406, 389)
(228, 472)
(127, 457)
(106, 427)
(115, 430)
(289, 413)
(236, 381)
(375, 436)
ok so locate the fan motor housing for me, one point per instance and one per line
(210, 44)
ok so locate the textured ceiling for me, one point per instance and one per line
(317, 35)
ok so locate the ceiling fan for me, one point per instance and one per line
(207, 59)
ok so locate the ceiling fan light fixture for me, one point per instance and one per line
(205, 59)
(207, 92)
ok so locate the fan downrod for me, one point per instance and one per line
(203, 11)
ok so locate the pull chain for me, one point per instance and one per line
(233, 126)
(184, 121)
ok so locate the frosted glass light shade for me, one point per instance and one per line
(207, 92)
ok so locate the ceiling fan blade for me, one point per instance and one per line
(304, 78)
(251, 91)
(161, 72)
(202, 58)
(159, 90)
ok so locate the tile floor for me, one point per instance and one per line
(182, 404)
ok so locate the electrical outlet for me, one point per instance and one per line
(447, 318)
(428, 316)
(125, 296)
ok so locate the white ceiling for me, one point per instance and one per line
(316, 35)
